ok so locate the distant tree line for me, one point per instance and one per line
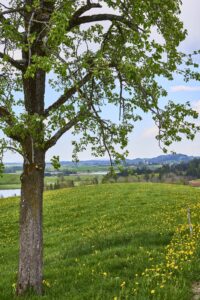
(62, 182)
(190, 169)
(181, 173)
(60, 173)
(12, 169)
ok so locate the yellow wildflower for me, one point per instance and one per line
(46, 283)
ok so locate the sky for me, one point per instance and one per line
(142, 142)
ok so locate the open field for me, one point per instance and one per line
(9, 179)
(111, 242)
(12, 181)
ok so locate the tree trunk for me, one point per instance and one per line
(31, 239)
(32, 179)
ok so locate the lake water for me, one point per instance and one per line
(17, 192)
(92, 173)
(9, 193)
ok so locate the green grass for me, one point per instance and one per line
(86, 168)
(98, 241)
(53, 179)
(10, 181)
(10, 186)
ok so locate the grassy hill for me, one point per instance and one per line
(110, 242)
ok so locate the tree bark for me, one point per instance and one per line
(31, 239)
(32, 179)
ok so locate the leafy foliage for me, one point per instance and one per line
(95, 60)
(55, 162)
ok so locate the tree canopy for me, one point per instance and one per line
(97, 53)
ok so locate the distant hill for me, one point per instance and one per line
(161, 159)
(91, 162)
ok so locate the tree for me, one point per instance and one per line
(95, 54)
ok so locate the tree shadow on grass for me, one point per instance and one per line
(100, 243)
(153, 239)
(104, 243)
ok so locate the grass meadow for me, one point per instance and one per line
(12, 181)
(9, 181)
(110, 242)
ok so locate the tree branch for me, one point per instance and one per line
(7, 118)
(17, 64)
(103, 123)
(4, 113)
(14, 150)
(6, 21)
(68, 94)
(77, 86)
(2, 18)
(97, 18)
(85, 8)
(11, 11)
(53, 140)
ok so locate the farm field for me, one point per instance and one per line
(12, 181)
(111, 242)
(9, 181)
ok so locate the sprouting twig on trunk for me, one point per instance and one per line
(28, 37)
(33, 153)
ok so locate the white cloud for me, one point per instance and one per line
(150, 132)
(190, 17)
(185, 88)
(196, 105)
